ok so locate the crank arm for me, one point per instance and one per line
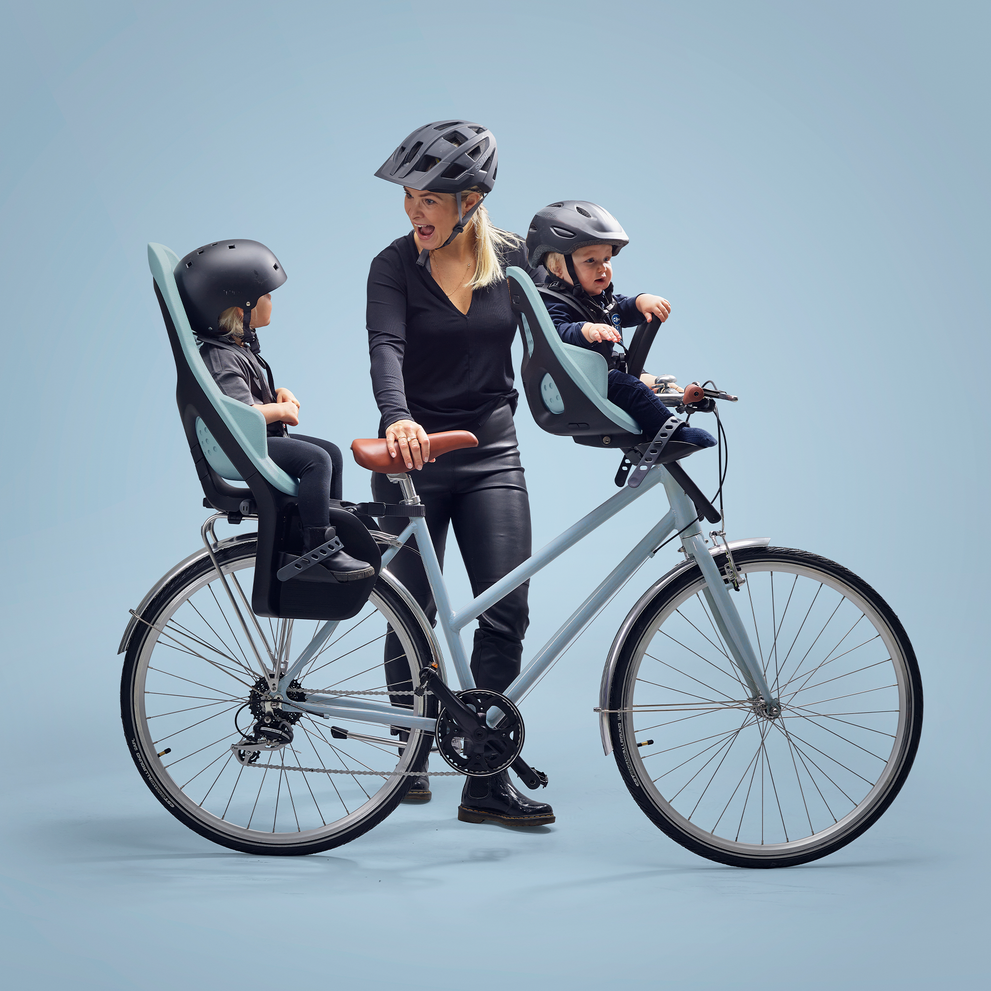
(531, 777)
(466, 719)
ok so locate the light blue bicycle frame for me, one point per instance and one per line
(680, 519)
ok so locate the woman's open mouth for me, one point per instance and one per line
(425, 231)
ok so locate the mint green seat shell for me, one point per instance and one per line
(566, 386)
(228, 443)
(245, 423)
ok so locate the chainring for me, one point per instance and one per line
(488, 750)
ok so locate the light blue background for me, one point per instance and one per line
(806, 182)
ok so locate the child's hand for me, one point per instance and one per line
(287, 412)
(596, 332)
(653, 306)
(285, 396)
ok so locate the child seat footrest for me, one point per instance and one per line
(306, 561)
(654, 450)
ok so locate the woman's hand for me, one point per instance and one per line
(596, 332)
(285, 396)
(410, 441)
(653, 306)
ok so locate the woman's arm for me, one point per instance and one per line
(386, 321)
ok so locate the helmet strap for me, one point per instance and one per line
(570, 265)
(248, 336)
(458, 228)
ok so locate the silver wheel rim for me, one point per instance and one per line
(728, 777)
(194, 674)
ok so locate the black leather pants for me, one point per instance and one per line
(481, 492)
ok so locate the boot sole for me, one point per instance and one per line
(479, 815)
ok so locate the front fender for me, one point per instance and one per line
(624, 631)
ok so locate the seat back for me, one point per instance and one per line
(566, 387)
(228, 440)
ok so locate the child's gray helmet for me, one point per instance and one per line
(568, 225)
(237, 272)
(448, 156)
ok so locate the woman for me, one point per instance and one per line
(440, 330)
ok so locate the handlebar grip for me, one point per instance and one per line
(693, 393)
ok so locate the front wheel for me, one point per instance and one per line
(709, 765)
(192, 686)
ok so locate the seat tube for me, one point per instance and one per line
(435, 577)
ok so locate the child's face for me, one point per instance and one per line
(261, 315)
(594, 267)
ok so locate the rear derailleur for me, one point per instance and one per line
(272, 729)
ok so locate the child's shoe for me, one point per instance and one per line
(334, 565)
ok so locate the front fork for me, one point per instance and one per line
(721, 605)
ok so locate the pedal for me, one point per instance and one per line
(306, 561)
(531, 777)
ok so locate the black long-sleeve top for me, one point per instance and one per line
(430, 362)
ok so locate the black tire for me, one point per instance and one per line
(722, 779)
(188, 675)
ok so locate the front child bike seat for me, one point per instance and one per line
(565, 386)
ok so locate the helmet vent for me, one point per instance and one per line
(563, 232)
(411, 154)
(453, 172)
(583, 212)
(488, 164)
(231, 245)
(426, 163)
(456, 138)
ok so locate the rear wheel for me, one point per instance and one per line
(705, 761)
(191, 687)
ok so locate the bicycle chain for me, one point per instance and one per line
(328, 770)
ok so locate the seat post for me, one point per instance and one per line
(410, 498)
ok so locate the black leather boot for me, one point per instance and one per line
(336, 567)
(494, 799)
(419, 791)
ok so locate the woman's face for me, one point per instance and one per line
(433, 215)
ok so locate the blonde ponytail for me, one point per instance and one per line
(488, 242)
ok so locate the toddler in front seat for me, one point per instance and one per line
(576, 242)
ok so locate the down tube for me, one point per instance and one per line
(587, 611)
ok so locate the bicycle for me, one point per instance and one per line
(764, 705)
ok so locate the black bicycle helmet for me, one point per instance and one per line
(237, 272)
(568, 225)
(448, 156)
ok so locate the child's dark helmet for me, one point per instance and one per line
(448, 156)
(568, 225)
(237, 272)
